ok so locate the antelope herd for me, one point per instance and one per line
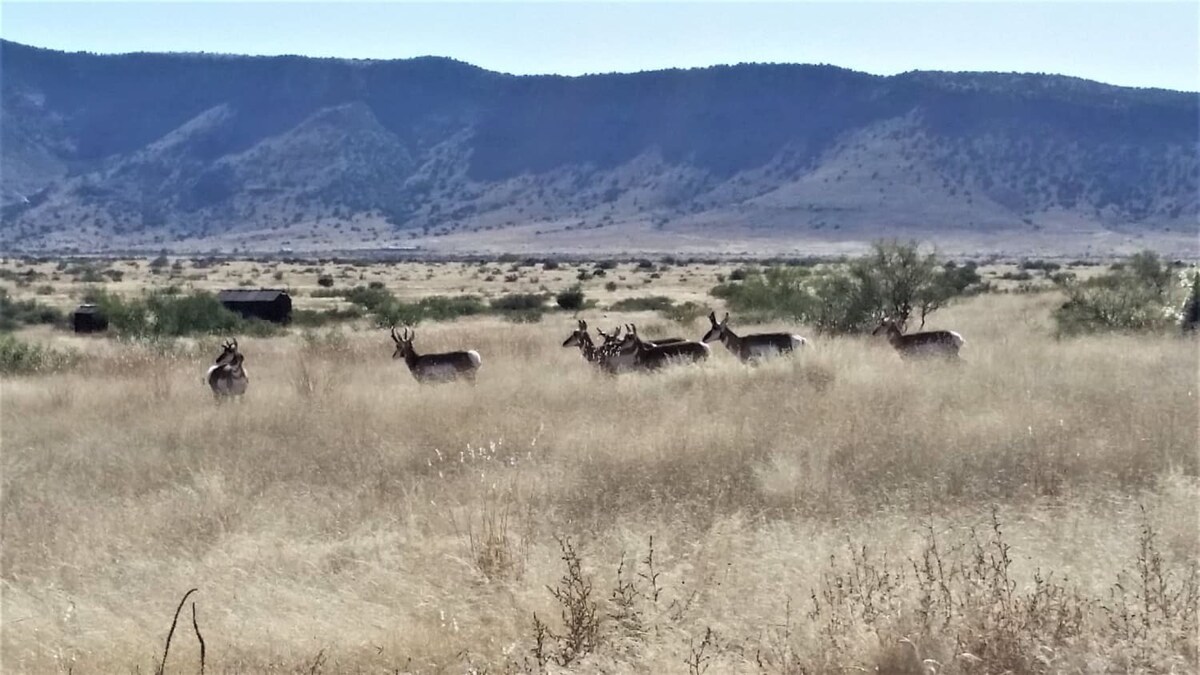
(616, 354)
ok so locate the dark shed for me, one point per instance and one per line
(88, 319)
(268, 304)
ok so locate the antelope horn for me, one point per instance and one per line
(234, 344)
(395, 338)
(726, 319)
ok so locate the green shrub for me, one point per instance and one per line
(653, 303)
(325, 281)
(1133, 297)
(165, 314)
(23, 358)
(15, 313)
(894, 280)
(572, 299)
(685, 314)
(519, 302)
(308, 318)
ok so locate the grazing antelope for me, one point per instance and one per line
(435, 367)
(751, 347)
(227, 376)
(943, 343)
(648, 356)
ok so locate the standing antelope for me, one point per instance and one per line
(943, 343)
(648, 356)
(227, 376)
(751, 347)
(435, 367)
(582, 339)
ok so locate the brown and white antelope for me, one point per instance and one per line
(649, 356)
(751, 347)
(938, 343)
(583, 340)
(227, 376)
(435, 367)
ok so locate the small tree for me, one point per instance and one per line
(571, 299)
(1131, 297)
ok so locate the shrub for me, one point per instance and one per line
(1133, 297)
(685, 314)
(893, 280)
(610, 286)
(739, 274)
(519, 302)
(15, 313)
(164, 314)
(308, 318)
(22, 358)
(550, 265)
(325, 281)
(653, 303)
(571, 299)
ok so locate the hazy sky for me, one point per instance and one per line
(1128, 43)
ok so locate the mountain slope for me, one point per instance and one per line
(199, 151)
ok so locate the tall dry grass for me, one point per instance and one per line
(830, 511)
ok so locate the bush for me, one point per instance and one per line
(610, 286)
(307, 318)
(163, 314)
(685, 314)
(23, 358)
(15, 313)
(325, 281)
(519, 302)
(1133, 297)
(571, 299)
(653, 303)
(894, 280)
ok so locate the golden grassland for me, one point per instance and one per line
(1031, 509)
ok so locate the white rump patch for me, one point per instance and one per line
(798, 341)
(475, 359)
(707, 349)
(958, 339)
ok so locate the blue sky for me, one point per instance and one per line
(1127, 43)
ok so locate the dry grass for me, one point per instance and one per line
(830, 511)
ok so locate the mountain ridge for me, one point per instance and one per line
(259, 152)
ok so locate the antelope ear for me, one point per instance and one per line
(712, 316)
(582, 325)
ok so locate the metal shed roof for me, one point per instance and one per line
(251, 295)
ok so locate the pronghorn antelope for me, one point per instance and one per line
(227, 376)
(435, 367)
(648, 356)
(582, 339)
(751, 347)
(944, 343)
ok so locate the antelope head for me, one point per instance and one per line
(887, 325)
(403, 343)
(229, 353)
(576, 338)
(717, 331)
(610, 338)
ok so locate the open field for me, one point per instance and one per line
(830, 511)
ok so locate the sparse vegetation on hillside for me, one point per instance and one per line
(837, 150)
